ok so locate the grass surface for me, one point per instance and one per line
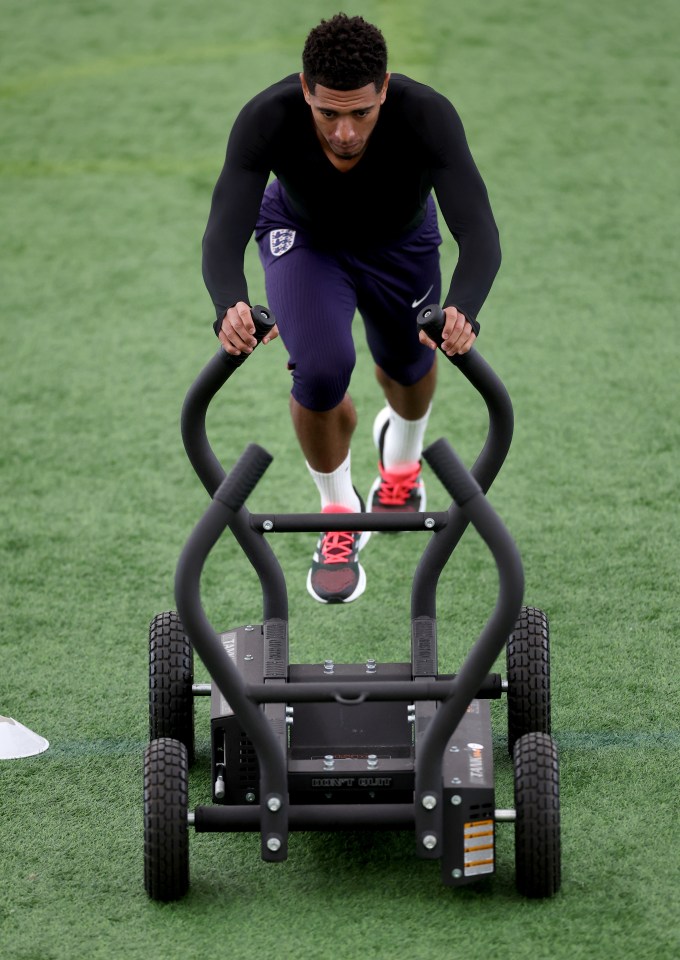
(114, 120)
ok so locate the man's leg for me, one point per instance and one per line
(410, 402)
(399, 430)
(324, 437)
(392, 284)
(314, 302)
(335, 576)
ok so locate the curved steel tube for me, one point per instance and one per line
(492, 639)
(273, 763)
(211, 473)
(501, 422)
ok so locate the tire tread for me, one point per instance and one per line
(171, 705)
(537, 824)
(166, 799)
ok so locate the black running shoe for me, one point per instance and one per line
(401, 490)
(336, 576)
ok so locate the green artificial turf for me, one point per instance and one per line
(113, 122)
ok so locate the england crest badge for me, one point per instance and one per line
(280, 241)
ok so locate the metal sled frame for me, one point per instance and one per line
(440, 704)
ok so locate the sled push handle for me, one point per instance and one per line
(223, 512)
(474, 508)
(211, 473)
(436, 555)
(211, 379)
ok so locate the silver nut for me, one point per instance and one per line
(273, 844)
(274, 804)
(429, 801)
(429, 841)
(456, 800)
(429, 522)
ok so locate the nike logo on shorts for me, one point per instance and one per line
(416, 303)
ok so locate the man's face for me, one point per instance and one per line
(345, 119)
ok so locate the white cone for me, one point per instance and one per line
(18, 741)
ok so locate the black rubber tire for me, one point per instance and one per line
(528, 675)
(166, 799)
(171, 675)
(537, 824)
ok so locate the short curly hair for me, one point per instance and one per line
(344, 53)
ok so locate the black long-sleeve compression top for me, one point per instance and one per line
(417, 145)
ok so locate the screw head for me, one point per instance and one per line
(273, 844)
(456, 800)
(250, 797)
(267, 525)
(429, 841)
(429, 522)
(429, 801)
(274, 804)
(457, 873)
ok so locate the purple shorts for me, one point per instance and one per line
(315, 293)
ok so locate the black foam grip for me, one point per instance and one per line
(263, 319)
(451, 471)
(431, 320)
(242, 480)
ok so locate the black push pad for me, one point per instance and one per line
(452, 472)
(242, 480)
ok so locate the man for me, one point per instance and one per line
(349, 224)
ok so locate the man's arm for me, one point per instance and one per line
(233, 215)
(236, 204)
(464, 203)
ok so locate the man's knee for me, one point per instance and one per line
(321, 387)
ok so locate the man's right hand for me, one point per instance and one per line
(237, 331)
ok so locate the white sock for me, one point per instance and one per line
(336, 487)
(404, 440)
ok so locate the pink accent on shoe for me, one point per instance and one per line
(337, 545)
(397, 483)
